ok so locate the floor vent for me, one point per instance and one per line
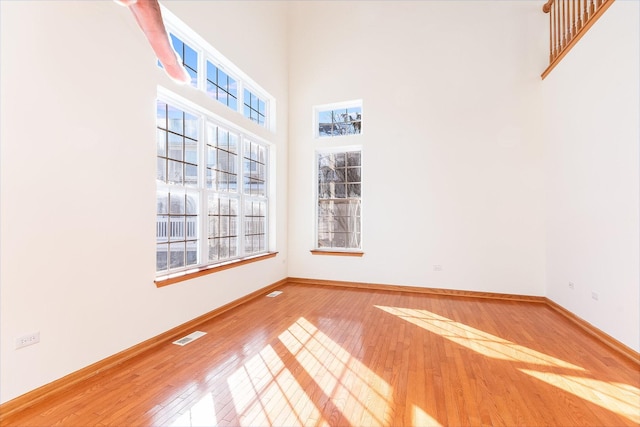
(274, 294)
(189, 338)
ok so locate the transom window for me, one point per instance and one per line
(221, 86)
(204, 215)
(219, 78)
(254, 107)
(339, 175)
(339, 119)
(189, 58)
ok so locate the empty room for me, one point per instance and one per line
(320, 213)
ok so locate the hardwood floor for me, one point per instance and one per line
(320, 355)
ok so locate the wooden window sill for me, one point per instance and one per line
(203, 271)
(337, 253)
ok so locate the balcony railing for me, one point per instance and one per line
(569, 20)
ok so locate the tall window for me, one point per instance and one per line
(339, 200)
(212, 195)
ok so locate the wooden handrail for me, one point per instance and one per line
(569, 20)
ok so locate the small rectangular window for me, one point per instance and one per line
(254, 108)
(339, 119)
(189, 58)
(221, 86)
(339, 176)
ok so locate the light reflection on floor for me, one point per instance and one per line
(622, 399)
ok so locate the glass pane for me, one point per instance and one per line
(233, 88)
(192, 203)
(162, 228)
(223, 83)
(261, 107)
(176, 206)
(162, 256)
(190, 126)
(161, 143)
(213, 249)
(233, 103)
(223, 138)
(191, 151)
(247, 111)
(190, 57)
(353, 174)
(192, 252)
(212, 73)
(354, 190)
(175, 146)
(233, 247)
(339, 159)
(176, 255)
(161, 169)
(161, 115)
(176, 228)
(162, 202)
(175, 174)
(191, 175)
(233, 143)
(353, 158)
(212, 157)
(177, 45)
(175, 120)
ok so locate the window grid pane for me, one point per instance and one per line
(189, 58)
(339, 200)
(254, 108)
(339, 122)
(221, 86)
(234, 222)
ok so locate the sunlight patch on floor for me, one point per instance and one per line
(203, 413)
(623, 399)
(422, 419)
(475, 339)
(265, 392)
(359, 394)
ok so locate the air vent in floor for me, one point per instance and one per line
(189, 338)
(274, 294)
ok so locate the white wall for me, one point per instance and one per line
(592, 121)
(78, 85)
(452, 164)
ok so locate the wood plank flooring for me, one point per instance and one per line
(330, 356)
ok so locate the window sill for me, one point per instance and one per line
(336, 253)
(203, 271)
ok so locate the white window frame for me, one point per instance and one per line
(206, 118)
(206, 52)
(329, 150)
(334, 106)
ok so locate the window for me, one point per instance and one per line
(339, 119)
(215, 75)
(212, 191)
(189, 58)
(339, 176)
(254, 107)
(221, 86)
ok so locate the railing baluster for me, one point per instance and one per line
(568, 21)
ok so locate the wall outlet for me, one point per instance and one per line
(26, 340)
(595, 296)
(571, 285)
(437, 267)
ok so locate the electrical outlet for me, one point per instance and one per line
(595, 296)
(26, 340)
(571, 285)
(437, 267)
